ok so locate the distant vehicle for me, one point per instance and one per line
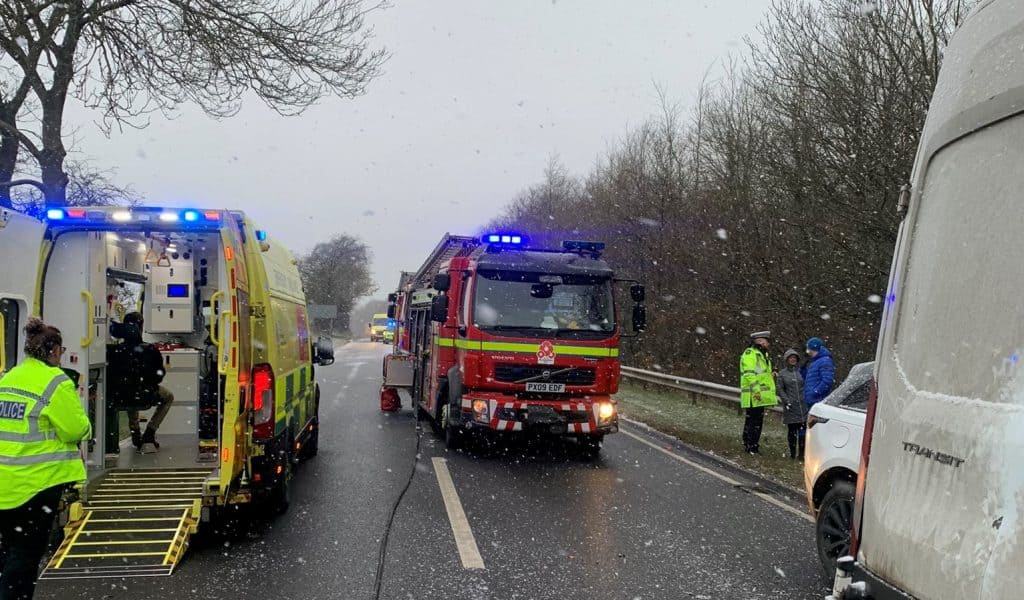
(835, 428)
(940, 495)
(378, 326)
(499, 338)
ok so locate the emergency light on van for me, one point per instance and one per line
(58, 214)
(502, 238)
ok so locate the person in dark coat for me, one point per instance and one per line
(789, 387)
(141, 377)
(819, 372)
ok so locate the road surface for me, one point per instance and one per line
(647, 520)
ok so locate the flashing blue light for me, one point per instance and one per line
(503, 238)
(190, 215)
(55, 214)
(261, 235)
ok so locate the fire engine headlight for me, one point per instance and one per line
(606, 411)
(480, 410)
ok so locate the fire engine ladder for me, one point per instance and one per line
(451, 246)
(135, 523)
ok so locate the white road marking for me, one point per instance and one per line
(464, 540)
(766, 497)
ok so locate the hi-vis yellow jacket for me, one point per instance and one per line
(41, 424)
(757, 383)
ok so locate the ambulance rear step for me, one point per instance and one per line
(135, 523)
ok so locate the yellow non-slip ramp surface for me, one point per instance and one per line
(135, 523)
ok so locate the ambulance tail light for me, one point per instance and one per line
(263, 402)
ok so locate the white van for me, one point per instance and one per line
(940, 498)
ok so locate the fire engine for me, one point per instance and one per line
(495, 337)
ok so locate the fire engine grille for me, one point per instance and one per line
(519, 414)
(514, 373)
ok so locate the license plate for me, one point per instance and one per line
(546, 388)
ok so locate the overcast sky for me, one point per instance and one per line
(474, 100)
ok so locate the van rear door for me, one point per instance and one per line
(943, 500)
(21, 239)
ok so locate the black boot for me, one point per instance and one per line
(150, 438)
(137, 439)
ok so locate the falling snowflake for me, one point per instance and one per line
(825, 316)
(875, 299)
(700, 330)
(722, 234)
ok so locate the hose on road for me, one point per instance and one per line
(383, 553)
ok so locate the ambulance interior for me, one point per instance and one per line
(95, 278)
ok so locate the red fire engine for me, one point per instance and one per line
(496, 337)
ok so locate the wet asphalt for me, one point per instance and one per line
(549, 523)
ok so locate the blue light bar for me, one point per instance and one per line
(261, 235)
(583, 246)
(190, 215)
(507, 239)
(55, 214)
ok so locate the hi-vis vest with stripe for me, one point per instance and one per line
(756, 377)
(41, 425)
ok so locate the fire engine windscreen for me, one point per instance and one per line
(536, 304)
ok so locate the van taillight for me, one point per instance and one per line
(263, 401)
(865, 452)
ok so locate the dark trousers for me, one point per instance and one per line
(24, 536)
(795, 436)
(752, 429)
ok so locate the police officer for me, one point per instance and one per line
(41, 424)
(757, 388)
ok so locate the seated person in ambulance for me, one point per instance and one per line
(136, 369)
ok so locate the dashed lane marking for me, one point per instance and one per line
(464, 540)
(722, 477)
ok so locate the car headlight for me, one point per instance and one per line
(605, 411)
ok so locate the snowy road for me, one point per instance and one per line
(647, 520)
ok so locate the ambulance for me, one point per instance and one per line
(224, 304)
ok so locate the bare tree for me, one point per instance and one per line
(87, 186)
(772, 205)
(337, 273)
(128, 58)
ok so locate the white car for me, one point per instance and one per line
(835, 429)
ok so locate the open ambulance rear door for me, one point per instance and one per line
(21, 239)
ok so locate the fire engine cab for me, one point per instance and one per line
(496, 337)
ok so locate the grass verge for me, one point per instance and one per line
(712, 427)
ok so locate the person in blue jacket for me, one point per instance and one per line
(819, 372)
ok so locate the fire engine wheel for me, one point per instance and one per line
(591, 445)
(452, 436)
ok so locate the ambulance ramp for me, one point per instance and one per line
(135, 523)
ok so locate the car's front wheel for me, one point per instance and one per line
(834, 525)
